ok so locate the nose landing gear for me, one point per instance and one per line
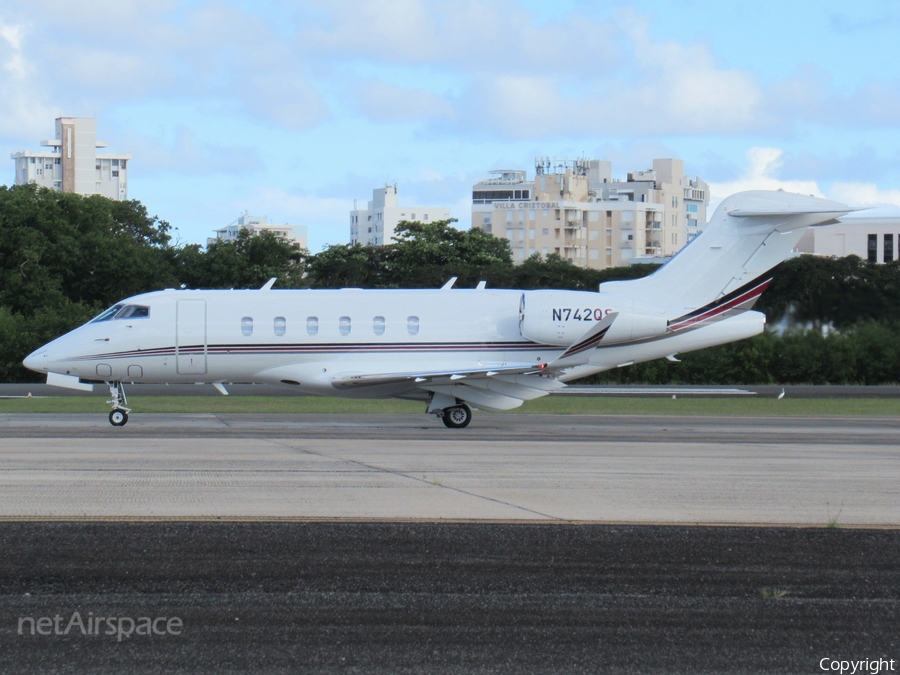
(119, 415)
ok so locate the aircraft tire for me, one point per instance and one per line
(118, 418)
(457, 417)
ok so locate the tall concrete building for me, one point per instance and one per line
(578, 210)
(71, 162)
(293, 234)
(375, 224)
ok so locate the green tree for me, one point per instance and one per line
(247, 262)
(426, 255)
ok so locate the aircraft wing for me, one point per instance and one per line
(433, 377)
(497, 388)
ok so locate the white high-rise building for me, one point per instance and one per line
(375, 225)
(292, 234)
(71, 162)
(577, 210)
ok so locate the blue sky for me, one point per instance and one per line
(295, 109)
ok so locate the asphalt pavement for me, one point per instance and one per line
(445, 598)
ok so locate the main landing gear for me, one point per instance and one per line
(457, 417)
(119, 415)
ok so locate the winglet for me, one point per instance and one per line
(592, 338)
(268, 285)
(449, 284)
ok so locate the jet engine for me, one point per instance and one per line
(562, 317)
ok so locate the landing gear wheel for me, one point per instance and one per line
(118, 418)
(457, 417)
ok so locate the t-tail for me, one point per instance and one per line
(729, 265)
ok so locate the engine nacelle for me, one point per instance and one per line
(562, 317)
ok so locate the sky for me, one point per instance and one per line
(294, 109)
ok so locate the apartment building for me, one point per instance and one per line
(375, 224)
(578, 210)
(293, 234)
(71, 162)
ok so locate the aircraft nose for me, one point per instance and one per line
(35, 360)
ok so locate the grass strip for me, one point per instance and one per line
(556, 405)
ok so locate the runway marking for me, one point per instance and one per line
(418, 480)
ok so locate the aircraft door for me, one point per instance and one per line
(190, 337)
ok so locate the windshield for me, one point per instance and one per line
(123, 312)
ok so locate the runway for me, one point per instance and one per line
(390, 544)
(503, 468)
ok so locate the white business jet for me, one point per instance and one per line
(454, 350)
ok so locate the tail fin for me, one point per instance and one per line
(749, 235)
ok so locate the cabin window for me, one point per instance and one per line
(280, 325)
(412, 325)
(378, 325)
(247, 326)
(312, 325)
(344, 325)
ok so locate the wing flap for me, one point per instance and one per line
(425, 377)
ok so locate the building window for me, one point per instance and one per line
(545, 231)
(531, 214)
(531, 233)
(378, 325)
(124, 163)
(312, 325)
(412, 325)
(280, 325)
(873, 248)
(888, 248)
(691, 208)
(115, 174)
(247, 326)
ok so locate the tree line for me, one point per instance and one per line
(65, 257)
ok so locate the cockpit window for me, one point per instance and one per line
(124, 312)
(108, 314)
(133, 312)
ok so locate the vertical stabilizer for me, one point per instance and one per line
(749, 235)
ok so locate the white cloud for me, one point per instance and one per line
(386, 102)
(327, 219)
(186, 155)
(761, 174)
(864, 194)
